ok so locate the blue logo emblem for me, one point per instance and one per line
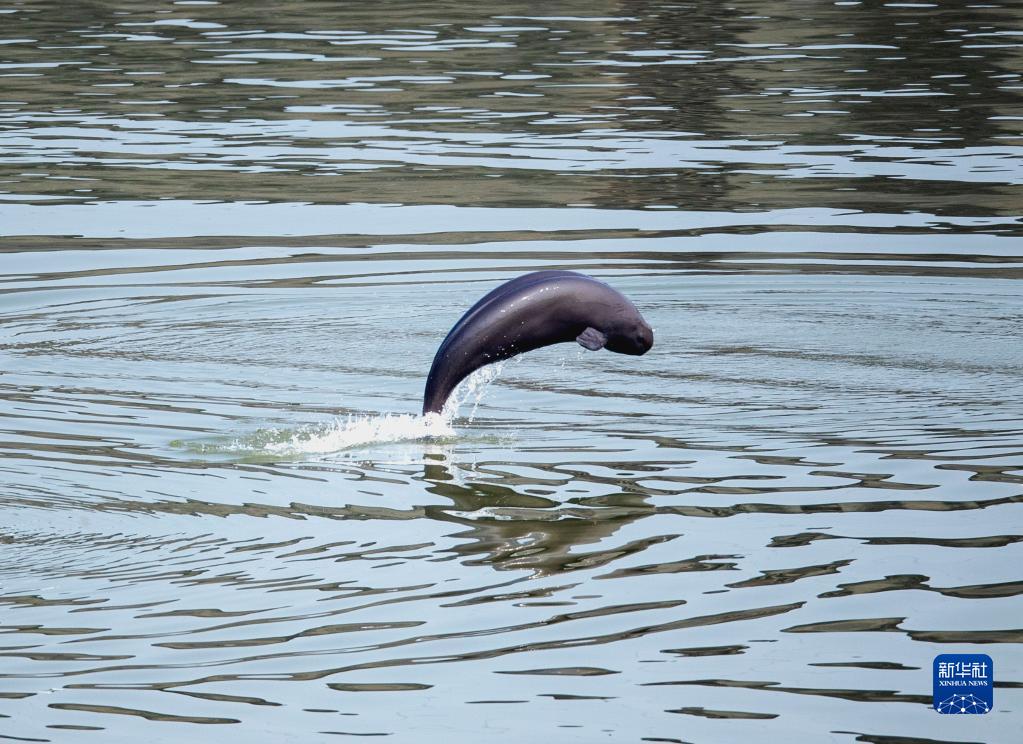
(963, 683)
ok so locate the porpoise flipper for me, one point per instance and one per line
(591, 339)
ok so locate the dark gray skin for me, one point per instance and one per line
(530, 312)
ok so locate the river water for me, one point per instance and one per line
(234, 234)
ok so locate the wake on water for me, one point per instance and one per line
(355, 430)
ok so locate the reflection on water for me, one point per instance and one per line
(233, 237)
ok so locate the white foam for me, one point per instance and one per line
(355, 430)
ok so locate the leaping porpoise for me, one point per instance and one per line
(529, 312)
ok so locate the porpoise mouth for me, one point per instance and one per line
(646, 340)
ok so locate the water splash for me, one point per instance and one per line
(338, 435)
(472, 388)
(354, 430)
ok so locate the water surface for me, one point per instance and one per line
(233, 237)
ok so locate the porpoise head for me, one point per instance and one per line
(629, 335)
